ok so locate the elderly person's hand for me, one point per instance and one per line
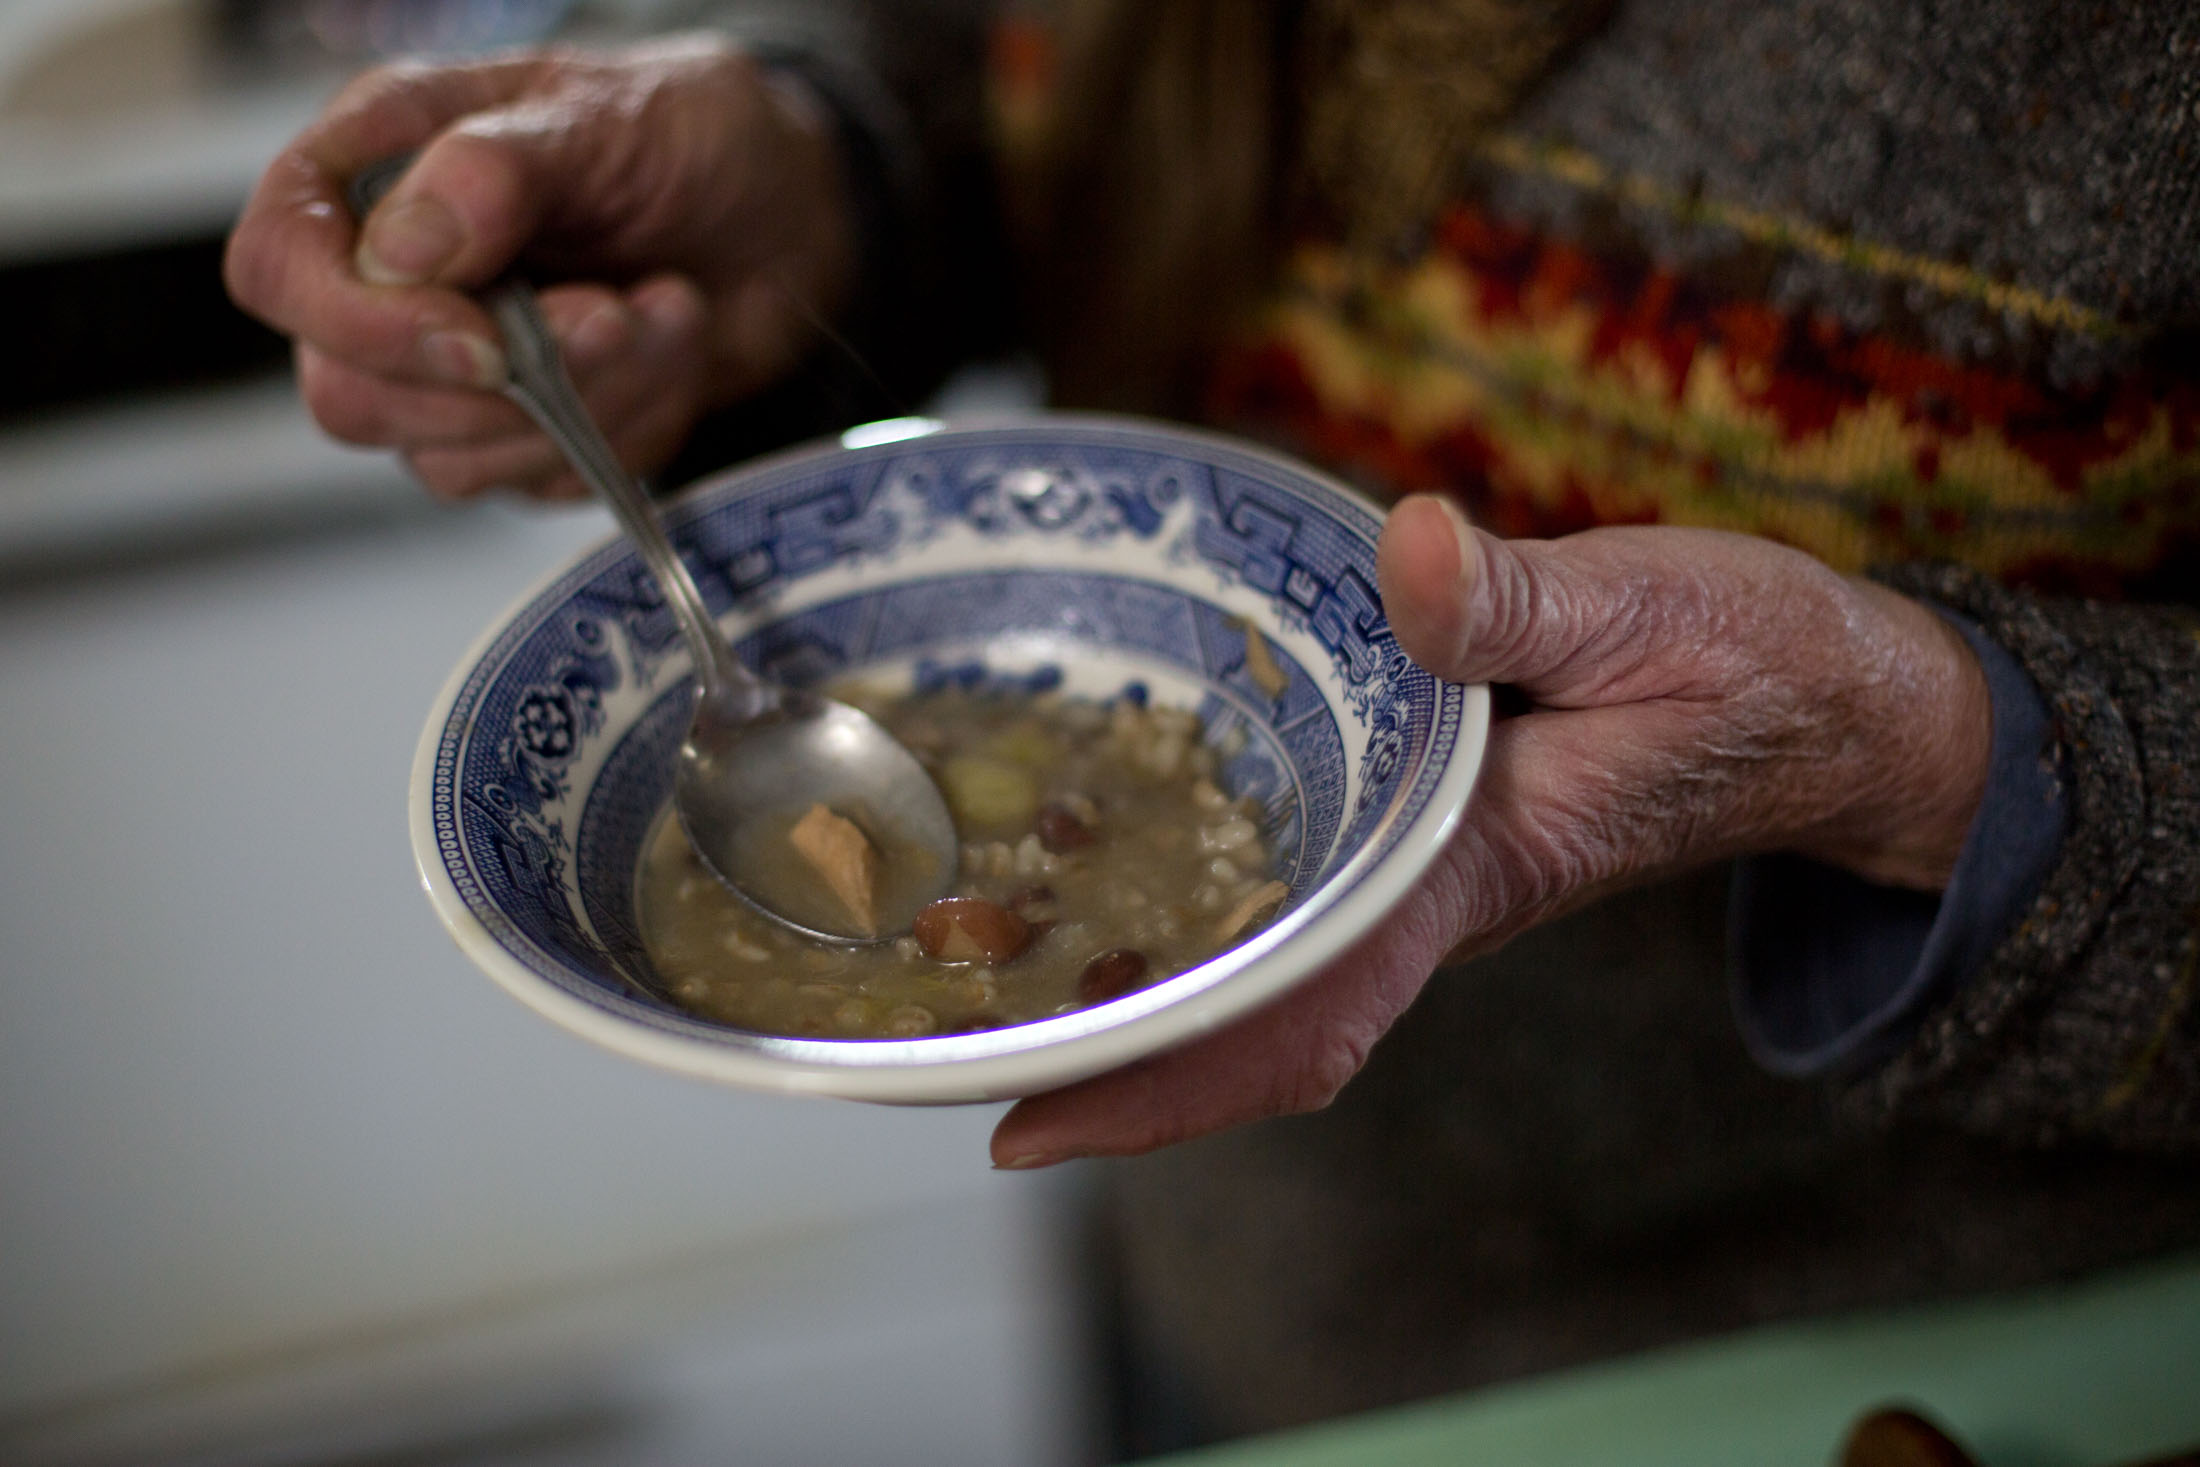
(689, 204)
(1692, 695)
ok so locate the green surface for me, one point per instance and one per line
(2085, 1375)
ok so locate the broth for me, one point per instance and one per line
(1098, 857)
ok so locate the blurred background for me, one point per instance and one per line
(283, 1179)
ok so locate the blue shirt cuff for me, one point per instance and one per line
(1833, 973)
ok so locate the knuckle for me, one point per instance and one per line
(1469, 889)
(1528, 862)
(1321, 1076)
(378, 83)
(736, 79)
(594, 328)
(402, 94)
(1516, 603)
(699, 58)
(481, 162)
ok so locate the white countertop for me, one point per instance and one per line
(259, 1117)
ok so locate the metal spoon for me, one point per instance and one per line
(758, 756)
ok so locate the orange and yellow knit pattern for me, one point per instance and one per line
(1553, 390)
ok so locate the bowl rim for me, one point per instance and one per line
(870, 1071)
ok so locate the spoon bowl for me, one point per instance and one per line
(744, 780)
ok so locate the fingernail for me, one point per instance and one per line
(1462, 534)
(1031, 1161)
(600, 333)
(672, 306)
(666, 311)
(407, 244)
(463, 359)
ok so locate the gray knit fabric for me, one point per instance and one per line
(2085, 1023)
(2050, 146)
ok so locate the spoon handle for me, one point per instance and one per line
(539, 383)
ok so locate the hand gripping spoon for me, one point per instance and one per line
(758, 757)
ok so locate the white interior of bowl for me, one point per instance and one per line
(892, 586)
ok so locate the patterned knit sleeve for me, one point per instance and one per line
(2084, 1022)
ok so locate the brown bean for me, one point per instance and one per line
(1111, 975)
(970, 930)
(1060, 831)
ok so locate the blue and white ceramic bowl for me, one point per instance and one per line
(1093, 554)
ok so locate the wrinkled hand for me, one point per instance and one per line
(691, 206)
(1693, 695)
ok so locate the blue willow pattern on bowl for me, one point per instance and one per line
(1106, 555)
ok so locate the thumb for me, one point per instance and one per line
(468, 204)
(1472, 608)
(426, 225)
